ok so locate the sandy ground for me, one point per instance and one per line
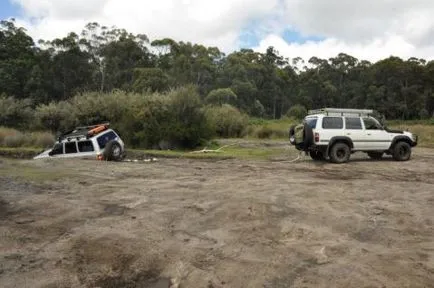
(228, 223)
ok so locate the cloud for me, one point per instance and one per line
(215, 23)
(368, 29)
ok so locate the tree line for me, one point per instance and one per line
(106, 59)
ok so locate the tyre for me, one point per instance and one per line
(113, 151)
(307, 136)
(375, 155)
(340, 153)
(316, 155)
(401, 151)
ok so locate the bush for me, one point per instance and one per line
(55, 117)
(264, 132)
(15, 113)
(221, 96)
(297, 111)
(41, 139)
(189, 127)
(227, 121)
(14, 138)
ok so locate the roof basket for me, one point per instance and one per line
(84, 131)
(342, 112)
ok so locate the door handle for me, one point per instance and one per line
(369, 134)
(348, 133)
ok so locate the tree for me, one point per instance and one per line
(17, 57)
(221, 96)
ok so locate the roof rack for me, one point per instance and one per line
(84, 131)
(342, 112)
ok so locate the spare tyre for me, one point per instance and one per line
(113, 151)
(307, 136)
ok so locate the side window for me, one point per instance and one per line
(57, 149)
(353, 123)
(332, 123)
(104, 139)
(85, 146)
(371, 124)
(70, 147)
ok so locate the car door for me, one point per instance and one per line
(354, 130)
(376, 138)
(70, 149)
(86, 148)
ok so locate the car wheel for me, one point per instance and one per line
(316, 155)
(401, 151)
(340, 153)
(113, 151)
(375, 155)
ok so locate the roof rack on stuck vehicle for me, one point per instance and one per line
(342, 112)
(84, 131)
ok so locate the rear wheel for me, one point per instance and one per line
(401, 151)
(316, 155)
(340, 153)
(375, 155)
(113, 151)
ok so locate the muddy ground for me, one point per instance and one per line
(217, 223)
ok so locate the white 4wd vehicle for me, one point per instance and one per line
(97, 141)
(337, 133)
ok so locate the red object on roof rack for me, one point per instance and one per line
(97, 129)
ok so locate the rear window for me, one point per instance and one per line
(353, 123)
(70, 147)
(85, 146)
(311, 122)
(332, 123)
(104, 139)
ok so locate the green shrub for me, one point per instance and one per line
(297, 111)
(221, 96)
(55, 117)
(227, 121)
(15, 113)
(264, 132)
(14, 138)
(41, 139)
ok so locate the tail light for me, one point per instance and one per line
(316, 137)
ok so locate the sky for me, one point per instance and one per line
(368, 29)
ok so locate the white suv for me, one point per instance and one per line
(97, 141)
(337, 133)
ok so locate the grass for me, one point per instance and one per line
(14, 138)
(232, 152)
(34, 174)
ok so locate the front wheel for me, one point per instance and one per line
(340, 153)
(401, 151)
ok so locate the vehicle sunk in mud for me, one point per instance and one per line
(96, 141)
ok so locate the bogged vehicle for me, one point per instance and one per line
(335, 134)
(96, 141)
